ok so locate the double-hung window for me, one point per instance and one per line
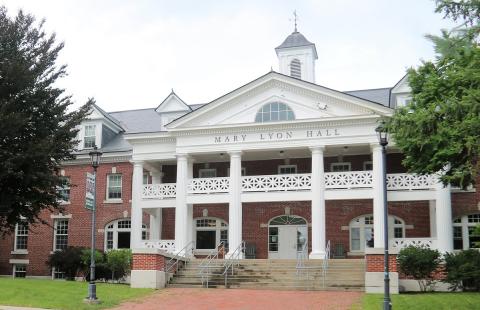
(207, 173)
(341, 167)
(19, 271)
(89, 136)
(114, 186)
(60, 240)
(64, 190)
(21, 236)
(287, 169)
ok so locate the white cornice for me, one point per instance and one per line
(106, 158)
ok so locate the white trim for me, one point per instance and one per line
(113, 200)
(218, 229)
(19, 261)
(15, 249)
(55, 234)
(60, 216)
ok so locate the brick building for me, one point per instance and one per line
(281, 163)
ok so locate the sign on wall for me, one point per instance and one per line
(90, 192)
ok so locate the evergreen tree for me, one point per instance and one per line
(440, 129)
(37, 132)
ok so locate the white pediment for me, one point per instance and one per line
(172, 103)
(402, 86)
(307, 101)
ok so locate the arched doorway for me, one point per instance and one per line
(287, 235)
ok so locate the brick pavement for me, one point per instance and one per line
(239, 299)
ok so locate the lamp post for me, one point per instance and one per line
(92, 288)
(383, 141)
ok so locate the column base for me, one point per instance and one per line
(317, 255)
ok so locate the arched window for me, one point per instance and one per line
(117, 234)
(209, 232)
(361, 231)
(463, 232)
(274, 112)
(287, 236)
(296, 69)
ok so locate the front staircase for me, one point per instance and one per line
(342, 274)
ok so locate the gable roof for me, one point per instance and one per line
(371, 104)
(169, 98)
(142, 120)
(380, 95)
(296, 39)
(108, 117)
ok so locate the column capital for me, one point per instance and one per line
(182, 156)
(317, 148)
(234, 153)
(137, 162)
(375, 146)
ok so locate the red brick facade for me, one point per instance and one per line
(256, 216)
(375, 262)
(148, 262)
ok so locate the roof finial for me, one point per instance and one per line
(295, 18)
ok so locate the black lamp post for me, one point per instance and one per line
(92, 288)
(383, 141)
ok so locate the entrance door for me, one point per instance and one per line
(287, 243)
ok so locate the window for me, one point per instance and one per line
(273, 112)
(295, 69)
(367, 165)
(273, 239)
(361, 231)
(287, 169)
(58, 274)
(114, 186)
(244, 171)
(118, 232)
(340, 167)
(209, 232)
(21, 237)
(464, 237)
(146, 178)
(207, 173)
(89, 136)
(60, 241)
(64, 189)
(19, 271)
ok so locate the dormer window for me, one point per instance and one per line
(295, 69)
(274, 112)
(89, 137)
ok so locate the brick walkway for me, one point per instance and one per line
(240, 299)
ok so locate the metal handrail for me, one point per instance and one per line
(178, 256)
(233, 260)
(206, 263)
(301, 257)
(325, 262)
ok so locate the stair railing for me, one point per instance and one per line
(325, 262)
(301, 258)
(207, 263)
(233, 259)
(184, 254)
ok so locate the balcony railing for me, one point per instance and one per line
(277, 183)
(348, 179)
(400, 243)
(291, 182)
(166, 245)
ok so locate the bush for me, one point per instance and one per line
(419, 263)
(101, 270)
(119, 262)
(68, 260)
(463, 270)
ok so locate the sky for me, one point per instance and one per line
(130, 54)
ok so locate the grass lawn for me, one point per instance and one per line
(62, 294)
(436, 301)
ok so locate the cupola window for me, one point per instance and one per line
(274, 112)
(295, 69)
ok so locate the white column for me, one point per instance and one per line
(137, 214)
(318, 204)
(235, 204)
(378, 196)
(156, 224)
(190, 206)
(181, 230)
(443, 212)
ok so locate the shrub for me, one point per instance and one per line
(101, 270)
(419, 263)
(68, 260)
(463, 270)
(119, 262)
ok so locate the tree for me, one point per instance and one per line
(463, 270)
(37, 132)
(419, 263)
(440, 129)
(119, 262)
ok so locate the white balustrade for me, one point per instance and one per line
(159, 191)
(291, 182)
(208, 185)
(400, 243)
(166, 245)
(408, 181)
(281, 182)
(348, 179)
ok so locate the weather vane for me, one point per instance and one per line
(295, 19)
